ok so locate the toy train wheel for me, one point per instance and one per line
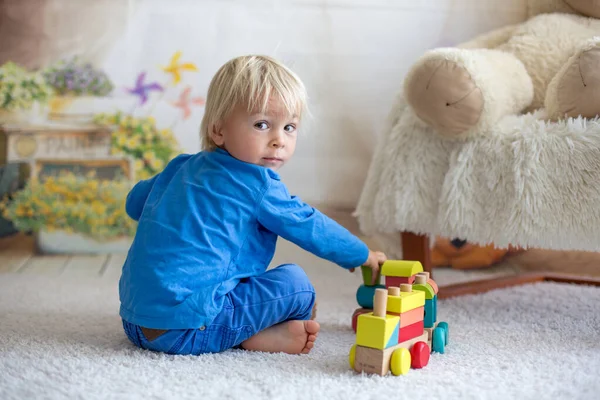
(352, 356)
(438, 338)
(444, 326)
(400, 362)
(420, 355)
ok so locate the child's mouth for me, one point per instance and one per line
(272, 159)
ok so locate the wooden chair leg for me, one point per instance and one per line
(416, 247)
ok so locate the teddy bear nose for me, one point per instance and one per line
(458, 243)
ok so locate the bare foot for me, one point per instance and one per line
(314, 312)
(291, 337)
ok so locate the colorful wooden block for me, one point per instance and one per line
(374, 361)
(406, 301)
(391, 281)
(435, 302)
(410, 331)
(434, 285)
(429, 332)
(355, 315)
(401, 268)
(430, 313)
(367, 275)
(424, 287)
(377, 332)
(365, 295)
(410, 317)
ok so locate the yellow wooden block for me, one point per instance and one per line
(406, 301)
(377, 332)
(401, 268)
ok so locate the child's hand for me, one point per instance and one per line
(374, 261)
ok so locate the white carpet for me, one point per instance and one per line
(61, 338)
(529, 182)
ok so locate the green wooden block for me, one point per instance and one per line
(367, 274)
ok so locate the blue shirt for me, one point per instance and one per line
(207, 221)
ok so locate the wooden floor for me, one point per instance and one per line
(18, 254)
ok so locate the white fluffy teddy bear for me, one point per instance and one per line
(551, 61)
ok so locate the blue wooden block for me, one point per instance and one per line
(444, 326)
(429, 318)
(365, 294)
(438, 340)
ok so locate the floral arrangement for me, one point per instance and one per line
(71, 77)
(19, 88)
(73, 204)
(150, 147)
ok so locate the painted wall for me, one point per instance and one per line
(352, 55)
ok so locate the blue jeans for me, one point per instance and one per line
(280, 294)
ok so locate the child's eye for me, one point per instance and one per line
(261, 125)
(289, 128)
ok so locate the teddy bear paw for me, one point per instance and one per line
(575, 90)
(443, 94)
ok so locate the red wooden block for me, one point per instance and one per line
(358, 312)
(397, 280)
(419, 355)
(433, 285)
(410, 331)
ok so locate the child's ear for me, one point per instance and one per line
(216, 134)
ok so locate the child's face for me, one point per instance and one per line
(264, 139)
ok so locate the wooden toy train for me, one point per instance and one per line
(396, 324)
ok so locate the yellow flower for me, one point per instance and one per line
(91, 174)
(122, 140)
(144, 174)
(165, 133)
(157, 164)
(98, 207)
(138, 164)
(148, 156)
(133, 142)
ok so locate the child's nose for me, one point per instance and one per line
(278, 141)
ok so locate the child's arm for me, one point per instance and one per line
(137, 197)
(290, 218)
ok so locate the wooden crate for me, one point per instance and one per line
(109, 168)
(27, 142)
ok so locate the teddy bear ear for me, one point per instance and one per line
(588, 8)
(536, 7)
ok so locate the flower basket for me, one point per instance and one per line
(76, 108)
(79, 89)
(20, 91)
(70, 214)
(14, 116)
(63, 242)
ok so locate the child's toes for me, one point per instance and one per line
(311, 327)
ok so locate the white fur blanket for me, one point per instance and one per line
(528, 182)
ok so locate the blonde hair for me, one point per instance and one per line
(250, 80)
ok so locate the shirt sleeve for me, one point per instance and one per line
(293, 220)
(136, 199)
